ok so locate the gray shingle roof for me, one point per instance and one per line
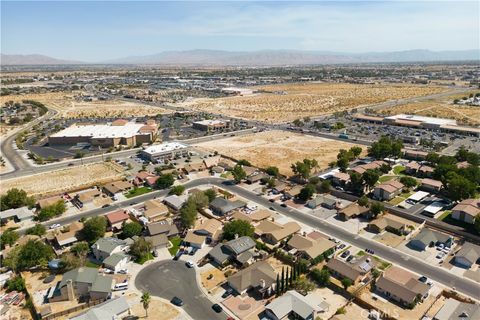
(108, 244)
(114, 259)
(240, 245)
(105, 310)
(224, 206)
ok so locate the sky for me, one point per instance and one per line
(96, 31)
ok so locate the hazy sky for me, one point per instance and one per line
(96, 31)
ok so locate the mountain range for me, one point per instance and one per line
(258, 58)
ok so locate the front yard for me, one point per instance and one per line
(175, 241)
(137, 192)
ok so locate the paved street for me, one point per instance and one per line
(167, 279)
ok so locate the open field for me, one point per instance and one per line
(286, 102)
(440, 108)
(68, 107)
(278, 148)
(70, 179)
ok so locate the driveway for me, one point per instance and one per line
(167, 279)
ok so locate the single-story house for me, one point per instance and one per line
(211, 162)
(468, 255)
(256, 216)
(170, 230)
(68, 238)
(46, 202)
(104, 247)
(272, 232)
(388, 190)
(116, 219)
(82, 282)
(18, 214)
(279, 187)
(194, 167)
(457, 310)
(340, 179)
(467, 210)
(117, 308)
(414, 154)
(195, 240)
(155, 210)
(142, 177)
(86, 197)
(425, 171)
(320, 200)
(430, 185)
(117, 188)
(353, 210)
(260, 277)
(389, 223)
(428, 237)
(231, 250)
(221, 206)
(175, 202)
(292, 192)
(412, 167)
(356, 271)
(116, 261)
(309, 248)
(256, 177)
(402, 286)
(293, 305)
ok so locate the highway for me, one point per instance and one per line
(397, 257)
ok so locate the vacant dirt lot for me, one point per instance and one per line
(278, 148)
(63, 180)
(288, 102)
(68, 107)
(441, 108)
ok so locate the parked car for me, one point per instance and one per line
(227, 292)
(123, 271)
(190, 264)
(55, 225)
(423, 279)
(350, 258)
(217, 308)
(345, 254)
(177, 301)
(106, 205)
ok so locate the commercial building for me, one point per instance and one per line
(211, 125)
(119, 132)
(165, 151)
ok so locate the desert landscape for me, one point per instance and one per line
(278, 148)
(70, 179)
(68, 107)
(440, 108)
(287, 102)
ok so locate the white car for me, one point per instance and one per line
(55, 226)
(190, 264)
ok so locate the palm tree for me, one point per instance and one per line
(146, 302)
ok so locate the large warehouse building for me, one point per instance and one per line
(119, 132)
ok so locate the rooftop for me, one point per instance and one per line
(164, 147)
(130, 129)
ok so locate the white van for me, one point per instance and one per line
(120, 286)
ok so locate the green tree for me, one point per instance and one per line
(140, 248)
(15, 198)
(408, 182)
(238, 173)
(15, 284)
(34, 253)
(376, 208)
(306, 192)
(188, 213)
(145, 299)
(283, 280)
(325, 186)
(277, 287)
(165, 181)
(273, 171)
(94, 228)
(342, 164)
(177, 190)
(370, 177)
(458, 187)
(38, 230)
(356, 182)
(303, 285)
(80, 248)
(356, 151)
(51, 211)
(211, 194)
(363, 201)
(432, 157)
(346, 283)
(237, 227)
(9, 237)
(131, 229)
(200, 199)
(243, 162)
(322, 277)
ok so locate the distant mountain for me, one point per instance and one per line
(32, 59)
(291, 57)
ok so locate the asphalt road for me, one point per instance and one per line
(397, 257)
(167, 279)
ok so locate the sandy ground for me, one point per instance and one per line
(157, 310)
(70, 179)
(68, 107)
(278, 148)
(286, 102)
(441, 108)
(218, 277)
